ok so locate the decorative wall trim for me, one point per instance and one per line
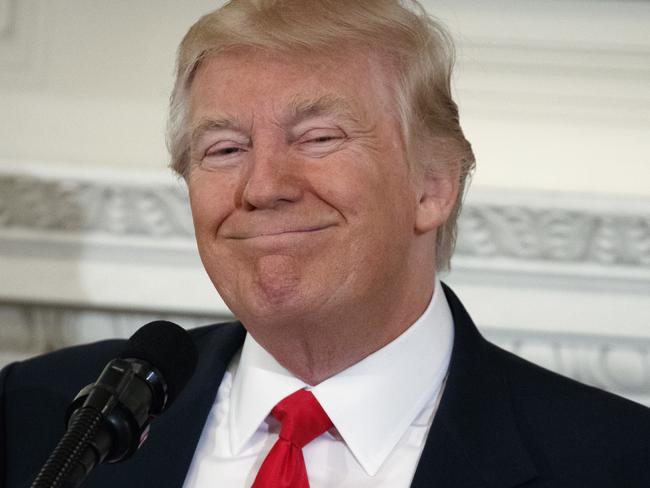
(524, 232)
(30, 329)
(27, 330)
(74, 207)
(551, 228)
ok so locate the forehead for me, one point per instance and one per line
(257, 81)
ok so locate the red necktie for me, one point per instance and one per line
(303, 419)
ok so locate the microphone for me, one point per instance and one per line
(109, 419)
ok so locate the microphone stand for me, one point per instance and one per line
(73, 457)
(108, 421)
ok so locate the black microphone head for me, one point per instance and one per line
(168, 348)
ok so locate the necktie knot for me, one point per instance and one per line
(302, 418)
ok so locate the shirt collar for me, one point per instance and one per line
(371, 403)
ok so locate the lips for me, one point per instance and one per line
(279, 231)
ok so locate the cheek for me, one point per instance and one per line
(210, 201)
(351, 185)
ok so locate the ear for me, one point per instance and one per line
(437, 196)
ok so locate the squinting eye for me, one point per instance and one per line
(319, 137)
(321, 142)
(223, 154)
(226, 151)
(322, 139)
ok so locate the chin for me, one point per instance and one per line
(270, 305)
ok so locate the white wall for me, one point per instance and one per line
(86, 82)
(554, 94)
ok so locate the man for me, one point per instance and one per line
(326, 165)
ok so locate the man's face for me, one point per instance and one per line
(302, 199)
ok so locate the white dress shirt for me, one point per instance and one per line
(381, 408)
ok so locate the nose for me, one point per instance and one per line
(271, 180)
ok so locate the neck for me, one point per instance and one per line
(320, 345)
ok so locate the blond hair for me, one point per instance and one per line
(416, 46)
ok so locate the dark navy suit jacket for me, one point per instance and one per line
(502, 421)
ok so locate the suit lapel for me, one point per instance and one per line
(474, 440)
(165, 457)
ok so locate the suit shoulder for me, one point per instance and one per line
(72, 363)
(522, 373)
(82, 363)
(549, 405)
(221, 331)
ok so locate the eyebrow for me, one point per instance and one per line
(299, 111)
(207, 124)
(302, 109)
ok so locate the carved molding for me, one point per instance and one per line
(28, 329)
(530, 228)
(86, 207)
(555, 235)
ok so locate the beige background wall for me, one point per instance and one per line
(554, 256)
